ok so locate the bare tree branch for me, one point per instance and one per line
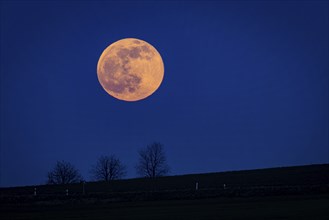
(152, 161)
(64, 173)
(108, 168)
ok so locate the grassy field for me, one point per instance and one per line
(300, 192)
(291, 207)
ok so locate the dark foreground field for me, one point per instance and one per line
(278, 193)
(290, 207)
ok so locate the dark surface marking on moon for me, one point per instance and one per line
(129, 82)
(123, 56)
(133, 83)
(110, 67)
(146, 49)
(136, 41)
(125, 66)
(114, 86)
(125, 80)
(135, 52)
(123, 53)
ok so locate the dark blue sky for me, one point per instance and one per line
(245, 86)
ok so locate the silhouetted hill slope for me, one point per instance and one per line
(293, 176)
(300, 178)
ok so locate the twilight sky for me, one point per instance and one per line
(245, 86)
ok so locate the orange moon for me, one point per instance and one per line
(130, 69)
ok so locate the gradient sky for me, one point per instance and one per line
(245, 86)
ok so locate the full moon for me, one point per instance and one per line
(130, 69)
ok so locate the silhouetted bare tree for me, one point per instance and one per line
(152, 161)
(108, 168)
(64, 173)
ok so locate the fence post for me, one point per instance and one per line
(196, 185)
